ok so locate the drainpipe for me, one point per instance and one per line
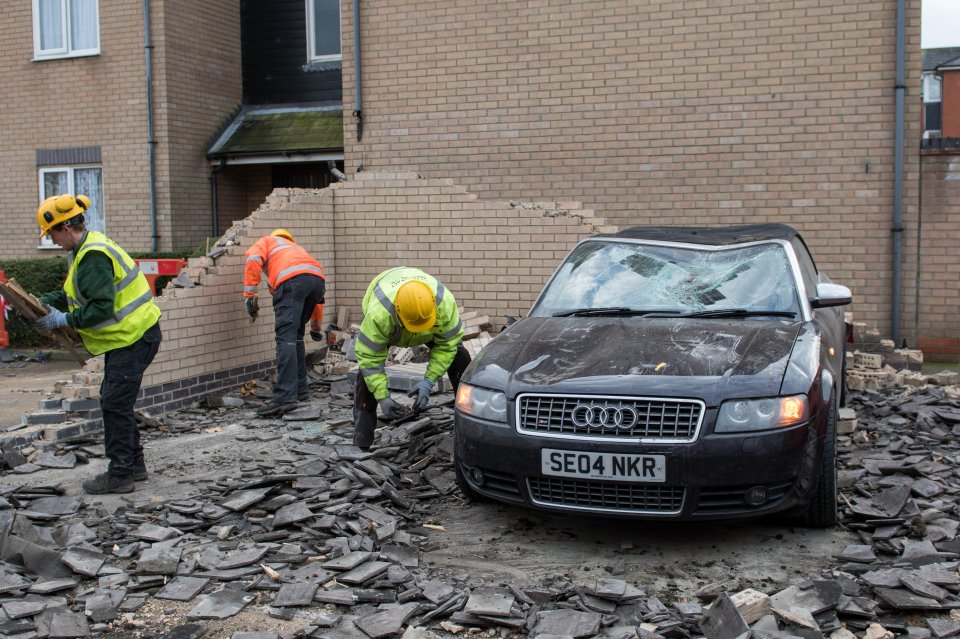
(335, 172)
(214, 207)
(151, 142)
(898, 172)
(358, 84)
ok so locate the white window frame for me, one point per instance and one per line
(45, 241)
(66, 51)
(932, 83)
(311, 36)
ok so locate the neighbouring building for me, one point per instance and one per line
(162, 109)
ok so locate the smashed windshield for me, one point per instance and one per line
(628, 277)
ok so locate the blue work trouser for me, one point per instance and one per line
(123, 370)
(293, 304)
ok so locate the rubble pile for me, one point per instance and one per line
(329, 538)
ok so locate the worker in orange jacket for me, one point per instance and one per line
(297, 284)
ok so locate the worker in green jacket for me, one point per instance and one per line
(404, 307)
(109, 302)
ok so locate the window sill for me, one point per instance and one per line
(61, 56)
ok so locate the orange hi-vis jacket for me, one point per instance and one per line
(281, 259)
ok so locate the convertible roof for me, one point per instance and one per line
(712, 236)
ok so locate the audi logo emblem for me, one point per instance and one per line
(607, 417)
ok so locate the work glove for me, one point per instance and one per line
(422, 390)
(316, 336)
(252, 304)
(52, 320)
(390, 409)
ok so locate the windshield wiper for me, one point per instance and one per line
(608, 310)
(739, 312)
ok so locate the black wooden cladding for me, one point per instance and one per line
(274, 49)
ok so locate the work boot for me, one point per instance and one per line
(275, 409)
(106, 483)
(139, 471)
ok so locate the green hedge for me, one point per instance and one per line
(37, 276)
(42, 275)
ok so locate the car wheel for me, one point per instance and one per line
(822, 510)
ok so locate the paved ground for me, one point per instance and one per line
(23, 384)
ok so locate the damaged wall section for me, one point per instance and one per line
(209, 342)
(495, 256)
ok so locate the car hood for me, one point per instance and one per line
(694, 358)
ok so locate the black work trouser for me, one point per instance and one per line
(123, 370)
(293, 304)
(365, 404)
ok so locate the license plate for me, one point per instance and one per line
(608, 466)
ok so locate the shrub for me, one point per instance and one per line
(36, 276)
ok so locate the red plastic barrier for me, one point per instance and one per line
(152, 269)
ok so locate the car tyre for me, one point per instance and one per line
(822, 510)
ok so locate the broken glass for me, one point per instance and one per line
(638, 279)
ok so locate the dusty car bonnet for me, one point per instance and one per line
(638, 356)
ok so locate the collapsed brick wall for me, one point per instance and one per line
(209, 342)
(937, 302)
(495, 256)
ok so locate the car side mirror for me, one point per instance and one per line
(831, 295)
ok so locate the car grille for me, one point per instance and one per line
(610, 417)
(605, 496)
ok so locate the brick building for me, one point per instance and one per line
(653, 112)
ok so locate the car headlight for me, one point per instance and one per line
(742, 415)
(482, 403)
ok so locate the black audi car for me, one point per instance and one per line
(664, 373)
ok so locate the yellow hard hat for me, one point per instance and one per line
(284, 233)
(60, 208)
(416, 306)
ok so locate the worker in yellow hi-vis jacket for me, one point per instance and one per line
(404, 307)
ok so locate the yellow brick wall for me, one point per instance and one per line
(937, 302)
(206, 329)
(656, 112)
(493, 256)
(198, 89)
(73, 102)
(101, 101)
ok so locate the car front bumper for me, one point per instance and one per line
(715, 477)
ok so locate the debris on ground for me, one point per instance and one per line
(326, 539)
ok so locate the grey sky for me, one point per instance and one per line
(939, 24)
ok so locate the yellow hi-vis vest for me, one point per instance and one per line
(133, 308)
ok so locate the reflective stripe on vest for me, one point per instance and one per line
(134, 310)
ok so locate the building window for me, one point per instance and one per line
(65, 28)
(323, 30)
(931, 87)
(86, 180)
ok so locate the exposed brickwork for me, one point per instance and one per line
(661, 112)
(200, 86)
(937, 302)
(493, 256)
(206, 331)
(101, 101)
(950, 104)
